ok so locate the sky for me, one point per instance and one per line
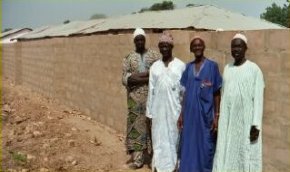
(37, 13)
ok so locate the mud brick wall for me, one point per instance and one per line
(9, 61)
(86, 72)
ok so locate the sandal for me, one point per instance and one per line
(135, 166)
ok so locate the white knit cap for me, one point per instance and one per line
(241, 36)
(139, 31)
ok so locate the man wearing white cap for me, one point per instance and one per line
(239, 143)
(135, 78)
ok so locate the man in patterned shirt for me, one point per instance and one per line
(135, 78)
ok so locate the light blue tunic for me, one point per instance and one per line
(241, 107)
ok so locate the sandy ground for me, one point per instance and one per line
(40, 134)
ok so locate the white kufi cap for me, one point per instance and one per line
(139, 31)
(241, 36)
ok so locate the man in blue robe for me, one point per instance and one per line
(198, 120)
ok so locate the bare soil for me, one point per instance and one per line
(41, 134)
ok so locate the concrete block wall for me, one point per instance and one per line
(9, 61)
(86, 72)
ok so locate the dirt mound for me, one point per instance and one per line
(40, 134)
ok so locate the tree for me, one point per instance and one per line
(165, 5)
(277, 14)
(66, 22)
(98, 16)
(6, 29)
(193, 5)
(288, 14)
(190, 5)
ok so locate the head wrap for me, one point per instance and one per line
(166, 37)
(138, 31)
(240, 36)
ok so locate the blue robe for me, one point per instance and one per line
(197, 144)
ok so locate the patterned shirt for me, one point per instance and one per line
(135, 63)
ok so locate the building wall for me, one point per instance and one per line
(86, 72)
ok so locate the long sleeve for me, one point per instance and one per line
(150, 95)
(223, 81)
(184, 77)
(181, 87)
(217, 81)
(258, 99)
(126, 71)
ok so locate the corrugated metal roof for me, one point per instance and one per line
(4, 34)
(61, 30)
(206, 17)
(200, 17)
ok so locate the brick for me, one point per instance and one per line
(285, 62)
(180, 37)
(285, 91)
(271, 131)
(272, 89)
(282, 156)
(208, 38)
(217, 56)
(256, 40)
(152, 41)
(268, 167)
(269, 62)
(58, 41)
(270, 107)
(181, 52)
(228, 58)
(223, 40)
(284, 114)
(285, 134)
(278, 39)
(124, 39)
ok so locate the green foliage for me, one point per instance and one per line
(66, 22)
(6, 29)
(190, 5)
(277, 14)
(288, 14)
(98, 16)
(193, 5)
(18, 157)
(165, 5)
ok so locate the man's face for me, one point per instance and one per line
(165, 49)
(197, 47)
(140, 42)
(238, 49)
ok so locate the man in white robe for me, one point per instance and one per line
(239, 143)
(164, 106)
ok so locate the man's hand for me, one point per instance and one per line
(180, 122)
(254, 133)
(214, 126)
(140, 75)
(149, 123)
(137, 79)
